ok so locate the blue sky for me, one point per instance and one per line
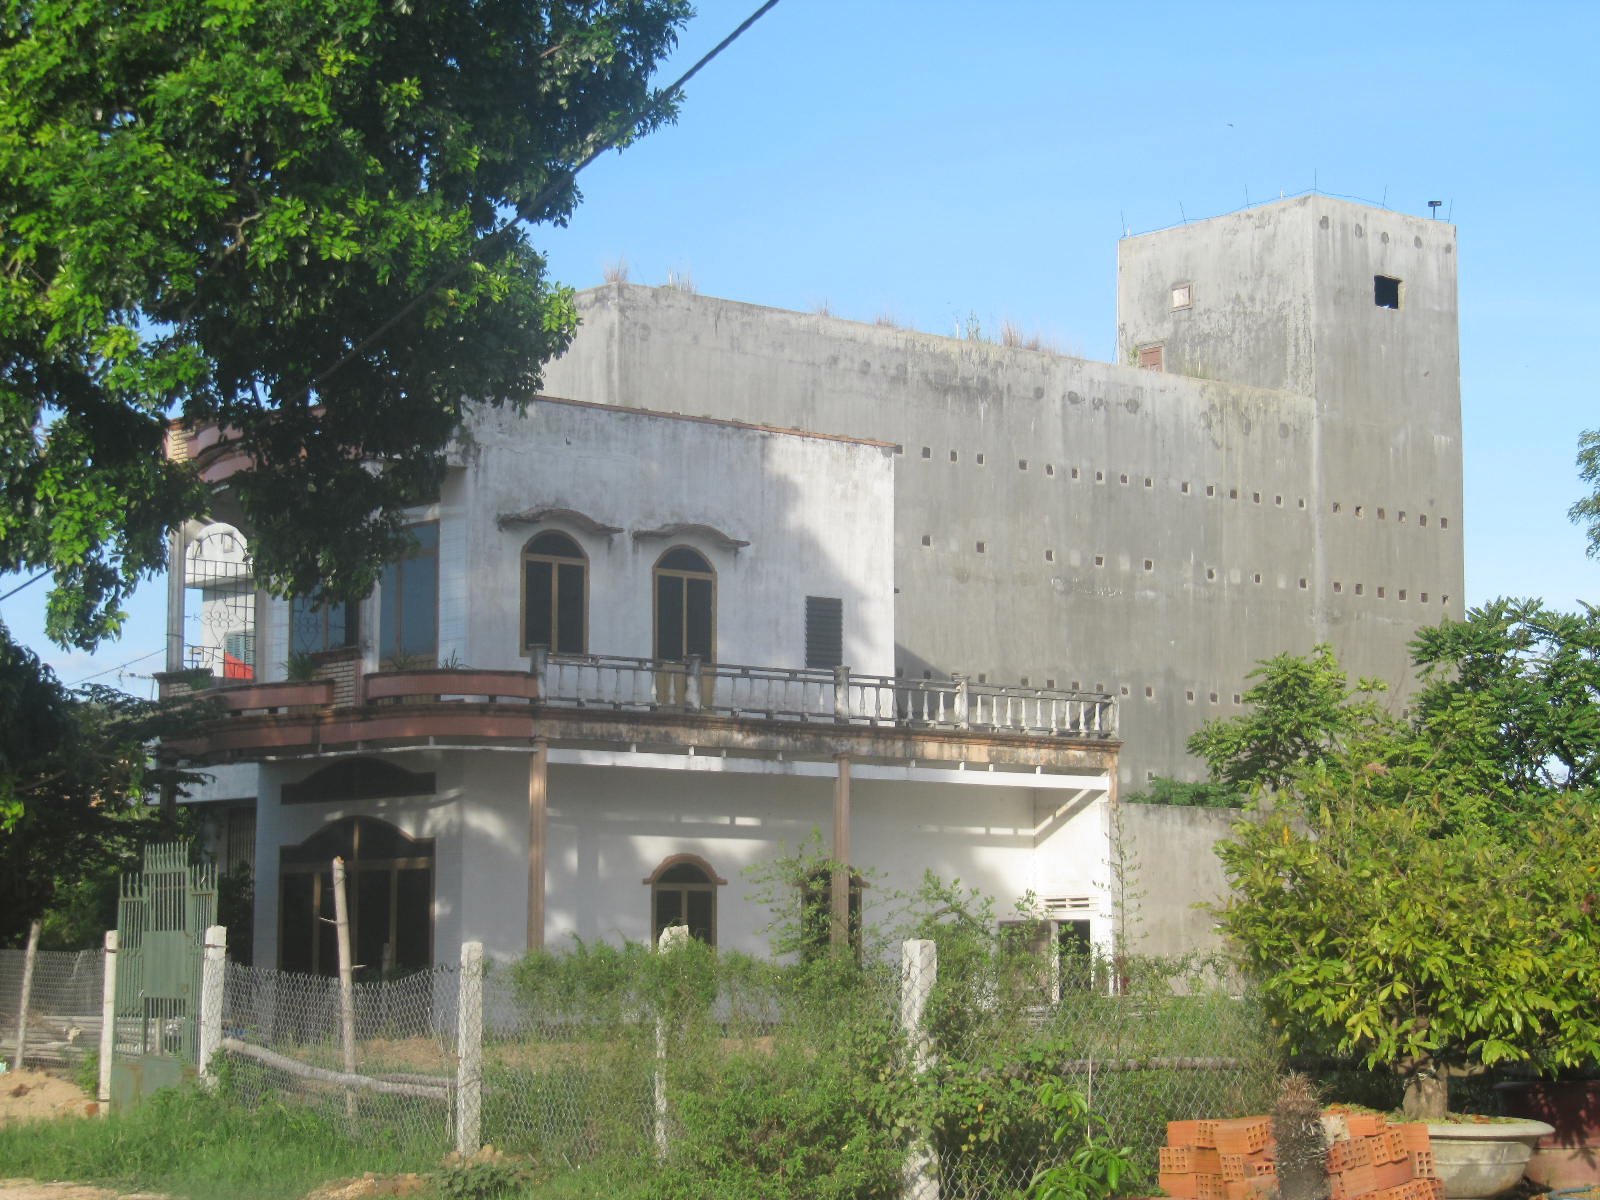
(933, 160)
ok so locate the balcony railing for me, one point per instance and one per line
(608, 682)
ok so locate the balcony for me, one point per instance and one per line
(637, 700)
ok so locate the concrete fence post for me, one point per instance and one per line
(919, 969)
(213, 971)
(108, 1023)
(469, 1051)
(671, 937)
(28, 960)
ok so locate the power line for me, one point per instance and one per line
(28, 583)
(118, 667)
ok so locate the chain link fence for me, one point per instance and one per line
(63, 1005)
(282, 1037)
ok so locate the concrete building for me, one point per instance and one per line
(1015, 554)
(633, 655)
(1275, 461)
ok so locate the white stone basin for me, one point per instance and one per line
(1477, 1160)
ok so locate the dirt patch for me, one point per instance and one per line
(367, 1187)
(34, 1096)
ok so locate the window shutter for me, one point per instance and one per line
(824, 632)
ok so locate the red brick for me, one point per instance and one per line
(1422, 1165)
(1181, 1133)
(1244, 1135)
(1414, 1135)
(1177, 1184)
(1352, 1152)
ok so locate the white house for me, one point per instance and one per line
(632, 655)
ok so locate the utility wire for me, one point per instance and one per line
(26, 583)
(527, 209)
(118, 667)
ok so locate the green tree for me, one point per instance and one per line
(74, 772)
(1302, 710)
(1420, 889)
(1586, 512)
(304, 220)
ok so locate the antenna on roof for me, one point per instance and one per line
(1433, 209)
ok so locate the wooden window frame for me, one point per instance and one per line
(386, 653)
(556, 563)
(657, 573)
(712, 882)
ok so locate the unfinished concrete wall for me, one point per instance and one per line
(1172, 872)
(1081, 524)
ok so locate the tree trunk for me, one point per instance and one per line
(1427, 1094)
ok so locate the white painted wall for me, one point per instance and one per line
(610, 827)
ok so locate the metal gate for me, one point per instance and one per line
(162, 916)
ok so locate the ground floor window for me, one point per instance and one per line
(389, 893)
(683, 891)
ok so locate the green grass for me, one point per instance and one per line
(190, 1144)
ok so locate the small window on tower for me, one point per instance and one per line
(1182, 295)
(1385, 291)
(824, 631)
(1150, 357)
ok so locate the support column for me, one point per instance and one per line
(839, 924)
(538, 813)
(177, 553)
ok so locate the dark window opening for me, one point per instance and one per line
(824, 632)
(389, 890)
(684, 893)
(555, 604)
(1385, 291)
(686, 594)
(816, 914)
(408, 605)
(315, 628)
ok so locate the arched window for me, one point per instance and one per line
(389, 889)
(686, 606)
(555, 595)
(683, 891)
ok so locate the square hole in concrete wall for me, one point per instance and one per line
(1211, 489)
(1149, 693)
(1074, 686)
(1303, 584)
(1445, 599)
(955, 456)
(982, 548)
(1050, 683)
(1255, 497)
(1444, 522)
(1099, 476)
(1024, 681)
(1099, 560)
(899, 449)
(1213, 697)
(1256, 577)
(1211, 572)
(927, 539)
(1122, 479)
(1302, 502)
(1337, 507)
(1423, 597)
(1382, 515)
(1422, 519)
(1278, 500)
(1361, 589)
(1184, 487)
(1022, 464)
(1123, 689)
(1237, 698)
(1386, 291)
(1074, 472)
(1361, 510)
(1049, 556)
(1189, 696)
(1149, 565)
(1337, 587)
(980, 460)
(982, 678)
(1382, 591)
(1401, 516)
(927, 452)
(1233, 493)
(1401, 593)
(1049, 468)
(1148, 482)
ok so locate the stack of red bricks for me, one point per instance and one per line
(1368, 1158)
